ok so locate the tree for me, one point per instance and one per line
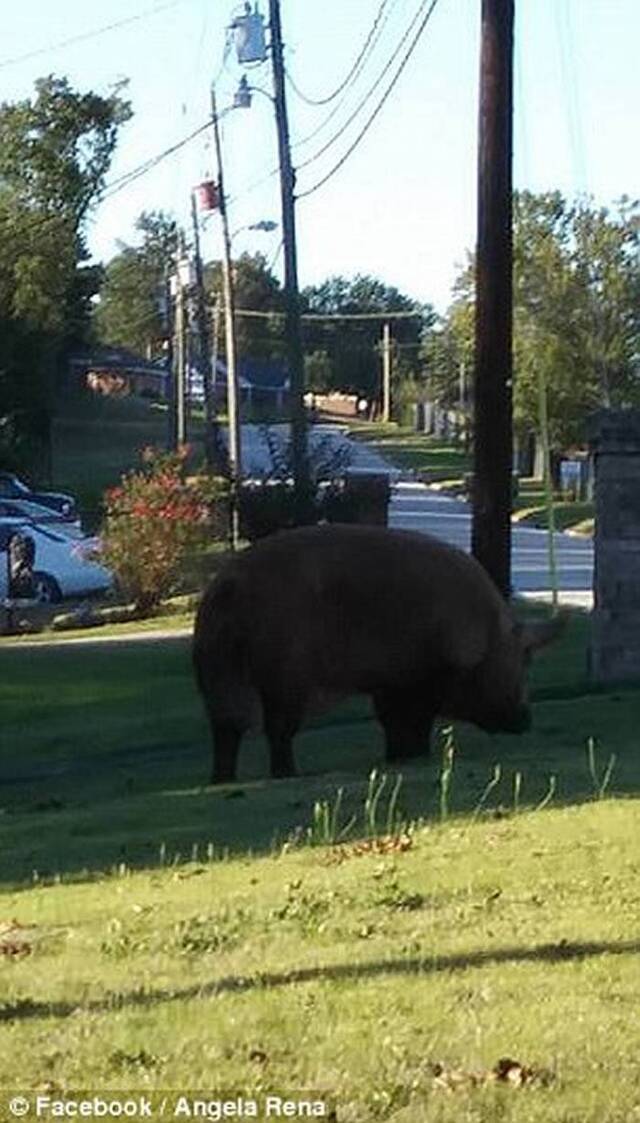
(317, 372)
(576, 313)
(353, 346)
(258, 290)
(607, 265)
(55, 151)
(448, 346)
(130, 313)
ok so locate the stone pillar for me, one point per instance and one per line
(614, 650)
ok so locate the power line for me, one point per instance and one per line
(378, 108)
(304, 140)
(352, 72)
(88, 34)
(372, 89)
(329, 316)
(124, 180)
(336, 109)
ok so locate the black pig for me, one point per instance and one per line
(323, 612)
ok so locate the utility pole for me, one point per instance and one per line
(386, 371)
(217, 310)
(180, 352)
(491, 526)
(212, 447)
(166, 304)
(233, 397)
(292, 321)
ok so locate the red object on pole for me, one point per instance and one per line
(208, 198)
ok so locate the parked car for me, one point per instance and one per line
(63, 566)
(36, 513)
(12, 487)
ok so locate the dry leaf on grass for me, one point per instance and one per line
(505, 1071)
(258, 1056)
(13, 940)
(387, 844)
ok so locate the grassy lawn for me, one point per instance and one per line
(158, 935)
(435, 460)
(387, 986)
(114, 758)
(95, 440)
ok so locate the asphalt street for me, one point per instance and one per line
(415, 506)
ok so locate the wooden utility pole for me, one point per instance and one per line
(180, 352)
(491, 526)
(292, 298)
(386, 371)
(168, 330)
(213, 453)
(228, 295)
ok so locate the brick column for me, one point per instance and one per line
(614, 649)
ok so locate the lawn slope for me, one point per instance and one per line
(354, 978)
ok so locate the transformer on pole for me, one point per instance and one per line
(249, 37)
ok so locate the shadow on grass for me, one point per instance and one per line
(105, 757)
(563, 952)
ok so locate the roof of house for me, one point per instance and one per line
(117, 358)
(261, 374)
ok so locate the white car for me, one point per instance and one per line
(36, 513)
(63, 566)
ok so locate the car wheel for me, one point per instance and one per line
(46, 589)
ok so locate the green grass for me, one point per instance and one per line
(96, 440)
(407, 449)
(105, 757)
(347, 981)
(567, 516)
(178, 944)
(171, 622)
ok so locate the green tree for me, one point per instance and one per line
(576, 313)
(449, 343)
(55, 151)
(130, 311)
(353, 346)
(317, 372)
(607, 264)
(256, 289)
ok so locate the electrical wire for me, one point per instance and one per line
(353, 71)
(373, 88)
(336, 109)
(129, 177)
(62, 43)
(332, 316)
(377, 110)
(571, 92)
(304, 140)
(275, 256)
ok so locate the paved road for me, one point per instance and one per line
(325, 440)
(417, 507)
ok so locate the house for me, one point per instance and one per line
(261, 382)
(118, 372)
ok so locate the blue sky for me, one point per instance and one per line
(403, 205)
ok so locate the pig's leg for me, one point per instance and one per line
(282, 719)
(226, 743)
(407, 720)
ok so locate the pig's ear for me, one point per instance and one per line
(538, 633)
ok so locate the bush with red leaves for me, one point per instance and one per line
(154, 519)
